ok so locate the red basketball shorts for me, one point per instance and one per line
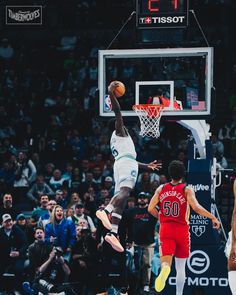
(174, 240)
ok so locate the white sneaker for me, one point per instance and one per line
(114, 242)
(102, 215)
(146, 289)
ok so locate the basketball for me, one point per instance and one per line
(120, 89)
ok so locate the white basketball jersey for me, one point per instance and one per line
(122, 146)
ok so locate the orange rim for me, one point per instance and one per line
(153, 110)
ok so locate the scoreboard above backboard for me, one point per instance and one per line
(161, 14)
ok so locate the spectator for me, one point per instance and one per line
(87, 183)
(25, 174)
(13, 243)
(112, 266)
(74, 199)
(56, 181)
(104, 149)
(67, 175)
(6, 50)
(41, 211)
(48, 173)
(108, 184)
(7, 207)
(156, 262)
(61, 231)
(69, 212)
(25, 171)
(36, 159)
(93, 72)
(105, 201)
(69, 63)
(75, 179)
(90, 202)
(68, 41)
(38, 251)
(225, 136)
(85, 167)
(163, 179)
(108, 168)
(97, 176)
(141, 235)
(44, 219)
(61, 198)
(144, 183)
(131, 202)
(76, 145)
(102, 195)
(38, 189)
(7, 175)
(217, 145)
(153, 176)
(79, 216)
(98, 161)
(154, 186)
(84, 261)
(26, 227)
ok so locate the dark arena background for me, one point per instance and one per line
(56, 60)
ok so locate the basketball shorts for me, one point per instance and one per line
(174, 240)
(125, 173)
(228, 245)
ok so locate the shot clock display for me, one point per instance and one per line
(161, 14)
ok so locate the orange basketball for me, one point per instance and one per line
(120, 89)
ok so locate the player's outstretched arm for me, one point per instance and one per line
(154, 165)
(153, 203)
(191, 198)
(120, 130)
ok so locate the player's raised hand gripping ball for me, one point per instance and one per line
(119, 88)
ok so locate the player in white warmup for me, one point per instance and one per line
(231, 248)
(125, 173)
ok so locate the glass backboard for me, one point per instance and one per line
(180, 75)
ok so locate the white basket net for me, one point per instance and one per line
(149, 117)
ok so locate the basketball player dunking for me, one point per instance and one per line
(173, 200)
(125, 173)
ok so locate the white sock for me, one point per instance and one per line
(180, 274)
(109, 208)
(114, 228)
(232, 281)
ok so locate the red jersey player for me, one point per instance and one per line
(174, 199)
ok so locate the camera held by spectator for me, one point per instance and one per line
(58, 251)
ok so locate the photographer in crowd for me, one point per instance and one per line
(48, 268)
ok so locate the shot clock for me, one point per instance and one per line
(161, 14)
